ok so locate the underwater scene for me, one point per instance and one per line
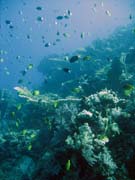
(67, 90)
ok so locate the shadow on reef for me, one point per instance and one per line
(131, 167)
(80, 171)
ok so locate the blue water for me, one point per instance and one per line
(67, 90)
(25, 42)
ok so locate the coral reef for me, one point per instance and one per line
(85, 135)
(73, 138)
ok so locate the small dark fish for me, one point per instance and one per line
(66, 17)
(66, 35)
(23, 72)
(43, 37)
(58, 33)
(40, 19)
(65, 25)
(74, 59)
(59, 17)
(47, 44)
(82, 35)
(45, 80)
(130, 16)
(40, 100)
(11, 35)
(58, 40)
(8, 22)
(39, 8)
(108, 13)
(67, 70)
(69, 13)
(20, 12)
(54, 44)
(109, 59)
(18, 57)
(11, 27)
(20, 81)
(24, 3)
(28, 36)
(29, 82)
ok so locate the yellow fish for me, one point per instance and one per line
(68, 165)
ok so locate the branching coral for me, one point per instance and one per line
(46, 99)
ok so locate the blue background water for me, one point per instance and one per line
(24, 44)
